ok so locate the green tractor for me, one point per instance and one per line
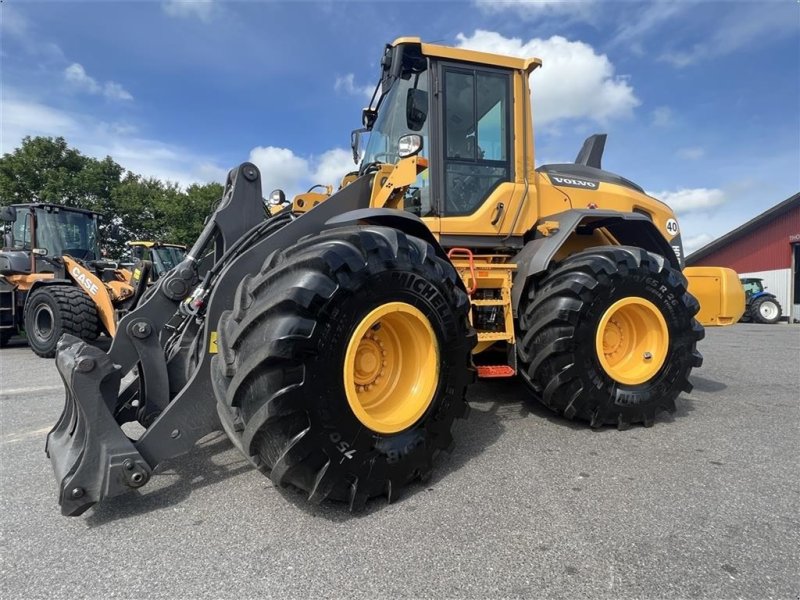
(762, 307)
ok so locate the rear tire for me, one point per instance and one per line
(53, 310)
(765, 310)
(566, 362)
(281, 374)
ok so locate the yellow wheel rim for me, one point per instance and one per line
(632, 340)
(391, 367)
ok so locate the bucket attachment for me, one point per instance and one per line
(91, 456)
(163, 349)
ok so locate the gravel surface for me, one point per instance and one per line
(704, 504)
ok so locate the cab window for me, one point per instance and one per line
(477, 141)
(21, 230)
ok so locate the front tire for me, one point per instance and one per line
(344, 363)
(610, 337)
(766, 310)
(53, 310)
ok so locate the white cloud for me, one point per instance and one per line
(689, 200)
(25, 116)
(695, 242)
(294, 174)
(13, 23)
(692, 153)
(115, 91)
(190, 9)
(739, 27)
(643, 19)
(77, 76)
(662, 116)
(280, 168)
(538, 9)
(332, 165)
(575, 82)
(346, 83)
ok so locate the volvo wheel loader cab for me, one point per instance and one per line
(334, 341)
(53, 280)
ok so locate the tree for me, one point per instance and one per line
(45, 169)
(133, 207)
(185, 216)
(137, 211)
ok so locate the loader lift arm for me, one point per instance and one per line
(93, 458)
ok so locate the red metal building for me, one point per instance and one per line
(767, 247)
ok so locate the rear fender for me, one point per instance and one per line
(629, 229)
(761, 295)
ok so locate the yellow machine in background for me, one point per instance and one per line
(161, 255)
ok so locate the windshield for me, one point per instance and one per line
(66, 232)
(167, 258)
(393, 118)
(752, 286)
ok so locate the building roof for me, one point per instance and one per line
(768, 215)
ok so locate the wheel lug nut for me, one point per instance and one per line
(648, 356)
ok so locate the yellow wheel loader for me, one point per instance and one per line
(53, 280)
(161, 255)
(334, 341)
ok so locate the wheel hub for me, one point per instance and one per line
(632, 340)
(391, 367)
(43, 322)
(370, 363)
(612, 337)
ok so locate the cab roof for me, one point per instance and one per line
(461, 54)
(60, 207)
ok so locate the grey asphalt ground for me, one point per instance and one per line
(704, 504)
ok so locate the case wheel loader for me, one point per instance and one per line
(334, 341)
(52, 278)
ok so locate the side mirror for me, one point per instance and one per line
(277, 198)
(355, 144)
(416, 109)
(8, 214)
(409, 145)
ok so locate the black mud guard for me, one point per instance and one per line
(631, 229)
(45, 282)
(406, 222)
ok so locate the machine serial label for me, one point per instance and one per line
(574, 182)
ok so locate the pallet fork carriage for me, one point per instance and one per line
(334, 339)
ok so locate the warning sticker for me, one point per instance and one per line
(212, 343)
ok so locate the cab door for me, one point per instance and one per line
(477, 189)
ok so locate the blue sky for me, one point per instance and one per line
(701, 100)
